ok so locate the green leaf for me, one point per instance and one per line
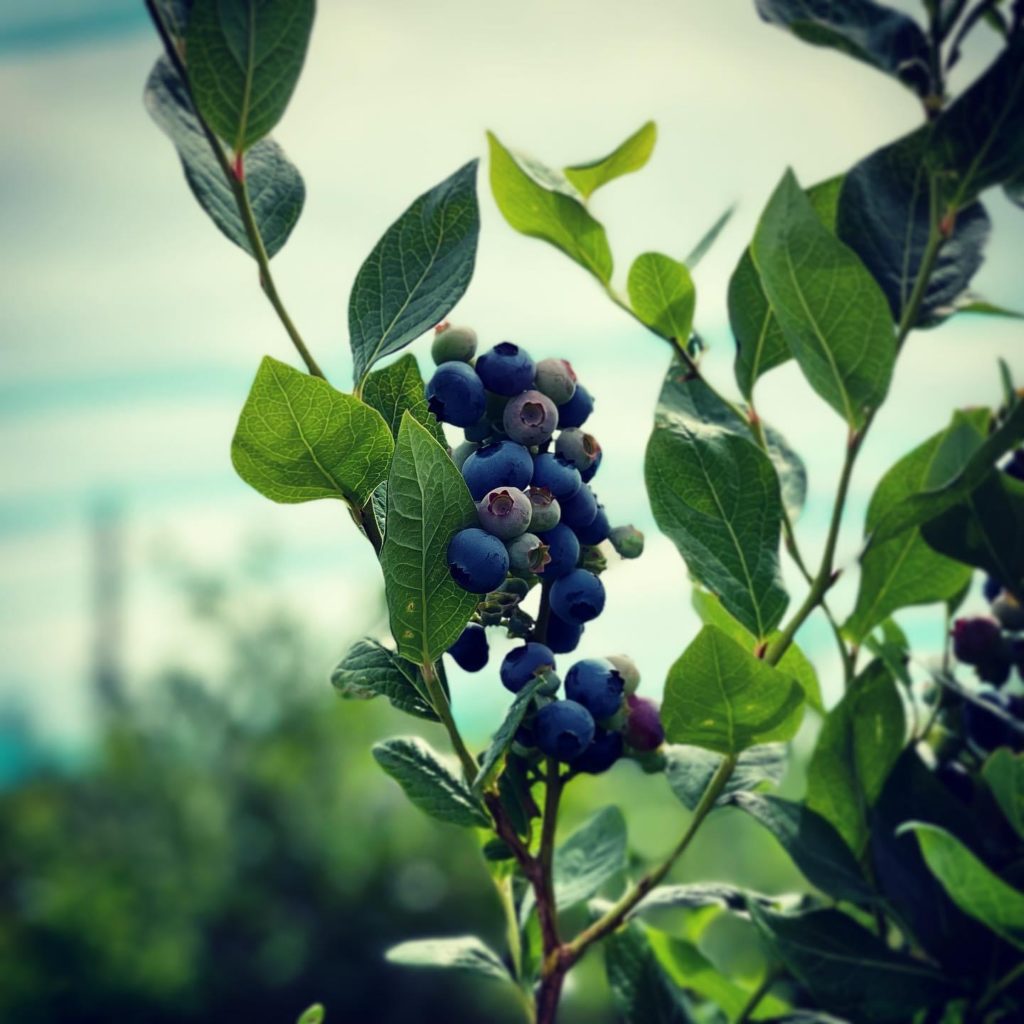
(275, 187)
(708, 239)
(371, 670)
(791, 470)
(1004, 775)
(428, 502)
(978, 306)
(904, 570)
(721, 697)
(428, 782)
(834, 317)
(464, 953)
(626, 158)
(244, 59)
(689, 770)
(594, 853)
(416, 273)
(760, 343)
(816, 848)
(662, 295)
(494, 758)
(866, 31)
(860, 740)
(547, 210)
(299, 439)
(397, 388)
(312, 1015)
(696, 895)
(972, 886)
(715, 495)
(846, 969)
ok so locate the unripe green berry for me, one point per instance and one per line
(546, 510)
(628, 541)
(527, 553)
(453, 344)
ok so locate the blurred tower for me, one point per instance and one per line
(107, 603)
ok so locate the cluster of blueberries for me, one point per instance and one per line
(528, 465)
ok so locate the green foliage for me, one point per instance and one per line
(312, 1015)
(370, 670)
(428, 501)
(298, 439)
(1004, 774)
(465, 953)
(721, 697)
(592, 855)
(662, 295)
(494, 758)
(398, 388)
(689, 770)
(626, 158)
(416, 273)
(760, 343)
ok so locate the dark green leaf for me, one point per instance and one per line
(641, 990)
(592, 855)
(428, 781)
(428, 502)
(721, 697)
(708, 239)
(276, 191)
(846, 969)
(689, 770)
(244, 59)
(465, 953)
(662, 295)
(535, 203)
(860, 740)
(696, 895)
(1004, 774)
(494, 758)
(371, 670)
(791, 469)
(299, 439)
(397, 388)
(832, 313)
(630, 156)
(760, 343)
(715, 495)
(816, 847)
(416, 273)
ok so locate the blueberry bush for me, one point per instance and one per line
(911, 832)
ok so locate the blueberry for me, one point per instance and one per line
(563, 729)
(530, 418)
(470, 650)
(556, 379)
(976, 640)
(595, 531)
(991, 589)
(995, 670)
(479, 431)
(596, 684)
(604, 750)
(527, 553)
(506, 369)
(453, 344)
(578, 596)
(644, 730)
(463, 452)
(455, 394)
(580, 510)
(578, 448)
(589, 474)
(505, 512)
(577, 410)
(546, 510)
(501, 464)
(558, 475)
(521, 664)
(1015, 466)
(628, 541)
(563, 637)
(988, 730)
(477, 560)
(563, 551)
(627, 669)
(1009, 611)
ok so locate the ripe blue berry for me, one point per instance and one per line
(578, 596)
(604, 750)
(563, 729)
(453, 344)
(506, 369)
(546, 510)
(477, 560)
(470, 650)
(563, 551)
(521, 664)
(578, 448)
(644, 730)
(528, 553)
(563, 637)
(1015, 466)
(480, 431)
(596, 684)
(556, 379)
(595, 531)
(505, 512)
(576, 411)
(992, 588)
(580, 510)
(558, 475)
(530, 418)
(589, 474)
(501, 464)
(455, 394)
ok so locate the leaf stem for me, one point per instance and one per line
(1001, 985)
(771, 975)
(443, 710)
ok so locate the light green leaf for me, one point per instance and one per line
(708, 239)
(312, 1015)
(834, 316)
(299, 439)
(689, 770)
(860, 740)
(370, 670)
(397, 388)
(721, 697)
(662, 295)
(1004, 775)
(428, 502)
(428, 782)
(494, 758)
(547, 210)
(244, 59)
(594, 853)
(630, 156)
(696, 895)
(982, 307)
(416, 273)
(464, 953)
(972, 886)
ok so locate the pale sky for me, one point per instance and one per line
(129, 328)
